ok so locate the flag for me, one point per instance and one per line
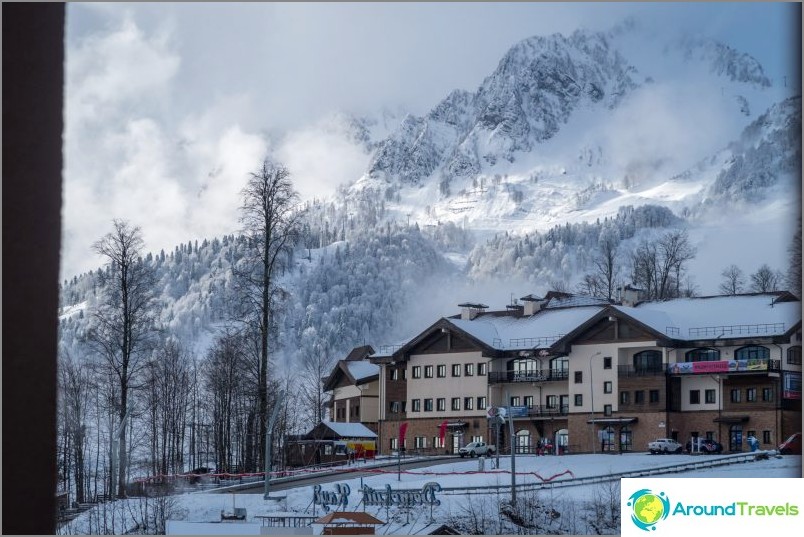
(442, 431)
(403, 428)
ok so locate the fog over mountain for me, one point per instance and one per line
(504, 190)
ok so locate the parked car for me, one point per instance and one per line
(791, 446)
(706, 446)
(474, 449)
(664, 445)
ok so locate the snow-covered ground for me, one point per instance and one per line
(207, 507)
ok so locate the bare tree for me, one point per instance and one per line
(168, 401)
(75, 387)
(733, 280)
(605, 262)
(272, 220)
(124, 321)
(659, 267)
(765, 279)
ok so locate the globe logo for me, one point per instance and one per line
(648, 508)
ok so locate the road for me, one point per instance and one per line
(303, 481)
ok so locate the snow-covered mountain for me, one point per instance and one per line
(570, 139)
(571, 128)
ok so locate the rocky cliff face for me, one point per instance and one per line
(536, 87)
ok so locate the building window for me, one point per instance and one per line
(428, 405)
(751, 395)
(428, 371)
(394, 444)
(653, 396)
(482, 368)
(421, 442)
(416, 405)
(752, 352)
(552, 401)
(702, 355)
(578, 399)
(481, 403)
(648, 362)
(456, 403)
(625, 398)
(607, 410)
(607, 386)
(794, 356)
(441, 404)
(735, 395)
(607, 362)
(578, 377)
(639, 397)
(514, 401)
(417, 371)
(695, 397)
(766, 437)
(469, 370)
(528, 401)
(710, 397)
(468, 403)
(437, 443)
(397, 407)
(456, 370)
(767, 394)
(393, 374)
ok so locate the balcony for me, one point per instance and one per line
(631, 371)
(542, 411)
(534, 375)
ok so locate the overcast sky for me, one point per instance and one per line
(170, 106)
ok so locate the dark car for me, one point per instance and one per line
(791, 446)
(706, 446)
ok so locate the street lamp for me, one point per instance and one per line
(592, 399)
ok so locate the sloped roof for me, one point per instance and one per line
(362, 370)
(719, 317)
(348, 517)
(359, 353)
(521, 333)
(350, 430)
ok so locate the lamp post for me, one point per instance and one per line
(592, 400)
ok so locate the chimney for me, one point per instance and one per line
(630, 296)
(532, 304)
(469, 310)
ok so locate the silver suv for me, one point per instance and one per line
(665, 445)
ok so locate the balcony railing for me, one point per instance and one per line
(543, 411)
(631, 371)
(534, 375)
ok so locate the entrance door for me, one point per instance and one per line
(456, 442)
(735, 438)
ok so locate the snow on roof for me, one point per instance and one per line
(350, 430)
(575, 301)
(539, 330)
(723, 317)
(362, 370)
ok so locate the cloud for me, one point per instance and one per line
(321, 157)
